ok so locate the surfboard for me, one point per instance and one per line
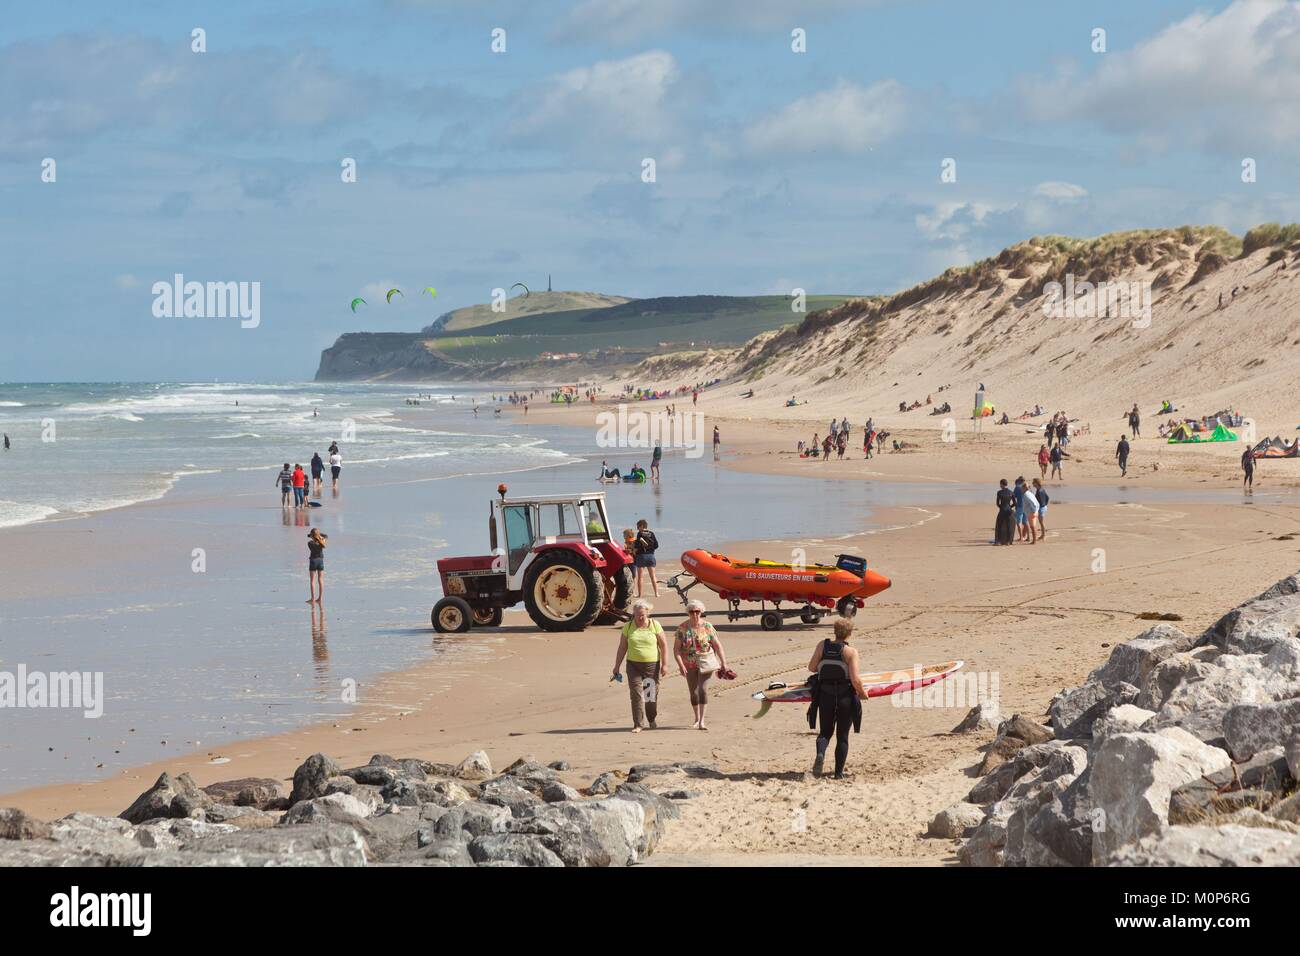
(878, 684)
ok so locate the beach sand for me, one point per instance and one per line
(1036, 617)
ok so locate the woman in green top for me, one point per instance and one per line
(699, 655)
(642, 642)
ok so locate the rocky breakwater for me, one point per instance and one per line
(390, 811)
(1180, 750)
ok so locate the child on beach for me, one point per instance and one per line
(316, 565)
(644, 548)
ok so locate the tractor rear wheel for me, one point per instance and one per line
(452, 615)
(487, 616)
(563, 592)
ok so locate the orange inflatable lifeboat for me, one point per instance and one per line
(758, 580)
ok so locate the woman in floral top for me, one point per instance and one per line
(699, 655)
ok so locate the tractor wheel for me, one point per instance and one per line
(452, 615)
(771, 620)
(618, 598)
(563, 592)
(487, 616)
(847, 606)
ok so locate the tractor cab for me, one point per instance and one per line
(556, 553)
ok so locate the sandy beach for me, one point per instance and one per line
(1037, 617)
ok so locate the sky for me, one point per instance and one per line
(477, 168)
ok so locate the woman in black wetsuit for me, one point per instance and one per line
(1004, 531)
(838, 699)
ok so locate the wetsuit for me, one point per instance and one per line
(837, 705)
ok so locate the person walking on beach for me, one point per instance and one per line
(1044, 457)
(699, 656)
(299, 482)
(643, 549)
(655, 457)
(1121, 456)
(641, 641)
(1134, 420)
(1040, 494)
(336, 465)
(6, 441)
(717, 441)
(317, 472)
(1018, 491)
(285, 481)
(316, 565)
(1055, 458)
(1004, 529)
(838, 700)
(1248, 467)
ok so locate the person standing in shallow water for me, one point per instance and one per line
(838, 700)
(1248, 467)
(316, 565)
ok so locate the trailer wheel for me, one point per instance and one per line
(771, 621)
(452, 615)
(563, 592)
(487, 616)
(847, 606)
(809, 616)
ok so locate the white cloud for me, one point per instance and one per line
(624, 99)
(1229, 80)
(626, 21)
(1055, 189)
(847, 118)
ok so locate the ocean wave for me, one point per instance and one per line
(14, 513)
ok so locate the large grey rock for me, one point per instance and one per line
(1250, 728)
(1253, 627)
(1229, 845)
(610, 832)
(16, 824)
(392, 833)
(518, 848)
(260, 792)
(168, 797)
(1292, 755)
(168, 834)
(311, 778)
(505, 792)
(334, 807)
(469, 820)
(604, 784)
(952, 823)
(1172, 671)
(1123, 719)
(327, 843)
(476, 766)
(1059, 833)
(241, 817)
(998, 784)
(1073, 711)
(1013, 734)
(556, 792)
(986, 715)
(1132, 778)
(1133, 661)
(986, 842)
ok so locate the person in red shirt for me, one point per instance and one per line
(299, 486)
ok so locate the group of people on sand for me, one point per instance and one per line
(836, 441)
(698, 652)
(294, 482)
(1022, 512)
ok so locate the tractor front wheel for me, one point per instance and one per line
(452, 615)
(563, 591)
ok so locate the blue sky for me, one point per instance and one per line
(775, 169)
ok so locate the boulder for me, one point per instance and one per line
(167, 834)
(1253, 627)
(1172, 671)
(1133, 776)
(168, 797)
(1288, 809)
(258, 792)
(16, 824)
(335, 807)
(1133, 661)
(311, 778)
(604, 784)
(610, 832)
(983, 716)
(952, 823)
(469, 820)
(1059, 833)
(1250, 728)
(1292, 755)
(986, 842)
(316, 844)
(1074, 710)
(998, 784)
(1123, 719)
(242, 818)
(392, 833)
(505, 792)
(555, 792)
(1211, 846)
(517, 848)
(450, 852)
(1250, 817)
(476, 766)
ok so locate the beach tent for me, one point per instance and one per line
(1221, 433)
(1182, 433)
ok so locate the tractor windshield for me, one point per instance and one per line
(593, 517)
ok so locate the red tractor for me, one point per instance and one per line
(555, 553)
